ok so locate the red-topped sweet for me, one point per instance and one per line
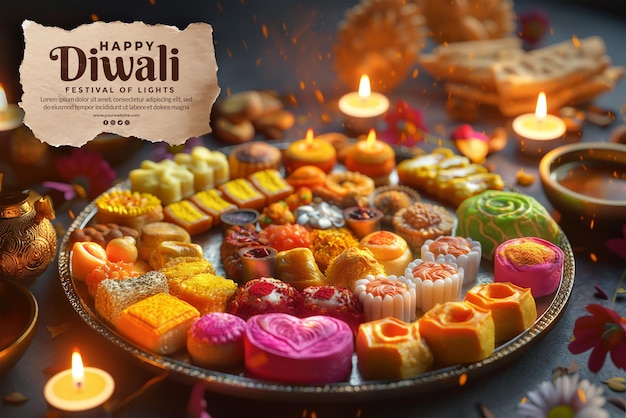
(334, 301)
(265, 295)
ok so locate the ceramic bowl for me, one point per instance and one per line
(19, 313)
(586, 181)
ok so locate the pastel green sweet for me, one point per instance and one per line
(495, 216)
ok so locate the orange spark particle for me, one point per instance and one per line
(576, 41)
(462, 379)
(593, 257)
(94, 17)
(319, 96)
(264, 30)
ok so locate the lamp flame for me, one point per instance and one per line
(365, 90)
(309, 136)
(78, 371)
(542, 108)
(3, 99)
(371, 139)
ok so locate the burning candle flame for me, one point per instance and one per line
(78, 371)
(365, 90)
(3, 99)
(542, 108)
(309, 136)
(371, 138)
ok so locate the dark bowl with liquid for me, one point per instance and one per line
(19, 314)
(586, 182)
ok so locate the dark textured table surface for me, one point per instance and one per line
(248, 60)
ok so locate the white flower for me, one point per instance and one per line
(567, 397)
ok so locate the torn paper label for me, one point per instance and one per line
(153, 82)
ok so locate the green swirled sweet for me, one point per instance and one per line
(495, 216)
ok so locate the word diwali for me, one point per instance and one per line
(74, 63)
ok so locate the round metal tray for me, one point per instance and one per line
(549, 309)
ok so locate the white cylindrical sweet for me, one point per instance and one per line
(384, 296)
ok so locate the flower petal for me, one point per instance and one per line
(597, 358)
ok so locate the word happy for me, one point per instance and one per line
(74, 62)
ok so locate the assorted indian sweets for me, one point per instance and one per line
(318, 265)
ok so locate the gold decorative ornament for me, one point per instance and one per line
(28, 241)
(380, 38)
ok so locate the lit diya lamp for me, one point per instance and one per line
(363, 109)
(373, 158)
(539, 132)
(79, 388)
(11, 115)
(310, 151)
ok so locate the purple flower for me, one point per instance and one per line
(86, 172)
(165, 151)
(532, 27)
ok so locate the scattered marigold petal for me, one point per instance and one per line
(462, 379)
(56, 330)
(15, 398)
(523, 178)
(617, 384)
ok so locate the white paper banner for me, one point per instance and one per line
(157, 82)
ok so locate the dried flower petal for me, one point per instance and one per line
(600, 294)
(15, 398)
(618, 384)
(573, 367)
(115, 407)
(56, 330)
(618, 402)
(484, 412)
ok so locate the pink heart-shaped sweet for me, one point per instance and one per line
(293, 335)
(312, 350)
